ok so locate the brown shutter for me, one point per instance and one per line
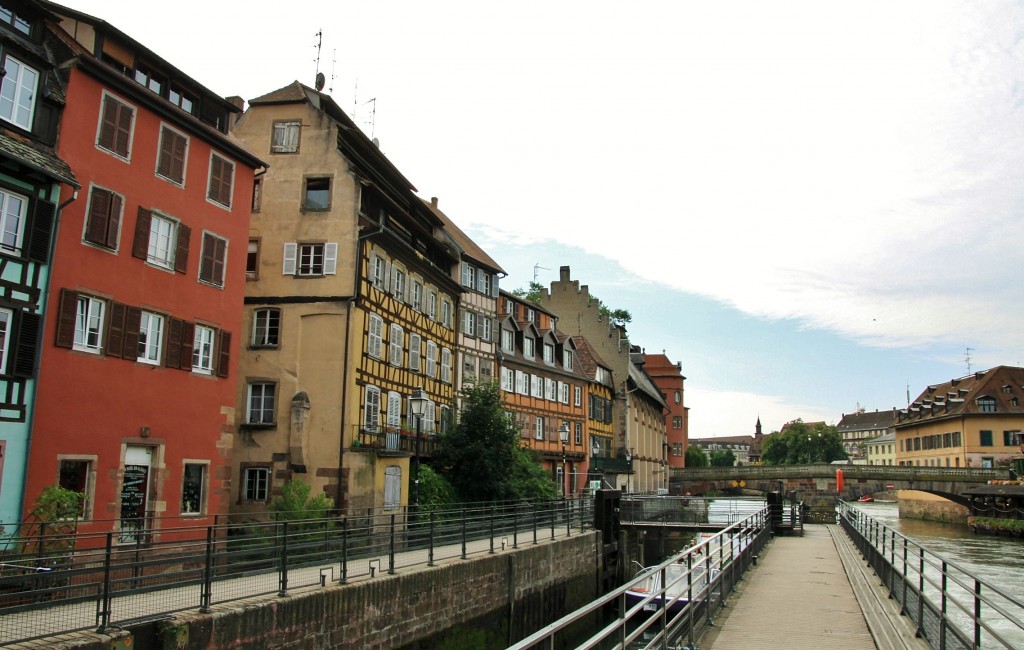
(163, 159)
(108, 127)
(26, 334)
(99, 212)
(172, 355)
(132, 323)
(223, 353)
(124, 129)
(181, 254)
(206, 260)
(113, 220)
(188, 337)
(140, 247)
(40, 231)
(115, 330)
(178, 158)
(66, 319)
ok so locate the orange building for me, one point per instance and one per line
(669, 379)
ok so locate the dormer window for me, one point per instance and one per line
(549, 353)
(528, 347)
(15, 21)
(986, 405)
(18, 93)
(567, 359)
(150, 79)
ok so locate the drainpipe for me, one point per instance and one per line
(44, 293)
(348, 331)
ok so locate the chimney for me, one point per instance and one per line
(433, 202)
(563, 273)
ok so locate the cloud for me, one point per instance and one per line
(732, 413)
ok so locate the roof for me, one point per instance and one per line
(469, 248)
(1003, 385)
(644, 384)
(588, 357)
(723, 440)
(883, 439)
(870, 421)
(37, 158)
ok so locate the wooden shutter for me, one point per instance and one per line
(223, 353)
(66, 319)
(99, 214)
(181, 252)
(132, 322)
(40, 231)
(25, 326)
(140, 245)
(115, 330)
(330, 258)
(124, 128)
(171, 161)
(108, 127)
(211, 266)
(116, 127)
(291, 252)
(173, 343)
(220, 180)
(188, 337)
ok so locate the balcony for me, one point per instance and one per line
(393, 441)
(612, 465)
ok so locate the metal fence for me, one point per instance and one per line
(673, 614)
(80, 582)
(950, 608)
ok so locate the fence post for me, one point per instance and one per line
(535, 508)
(206, 596)
(463, 533)
(491, 552)
(344, 551)
(920, 592)
(977, 613)
(568, 518)
(552, 510)
(283, 578)
(942, 618)
(391, 548)
(104, 613)
(515, 525)
(430, 551)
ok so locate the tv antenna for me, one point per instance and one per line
(319, 42)
(967, 359)
(537, 267)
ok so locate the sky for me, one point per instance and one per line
(813, 206)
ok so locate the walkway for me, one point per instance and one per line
(810, 592)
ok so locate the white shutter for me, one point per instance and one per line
(394, 409)
(330, 258)
(371, 412)
(291, 251)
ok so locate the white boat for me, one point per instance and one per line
(679, 588)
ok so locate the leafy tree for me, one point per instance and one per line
(696, 457)
(435, 490)
(723, 458)
(295, 504)
(531, 295)
(483, 457)
(801, 444)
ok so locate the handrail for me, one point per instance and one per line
(927, 586)
(821, 470)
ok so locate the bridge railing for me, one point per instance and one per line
(100, 581)
(891, 472)
(950, 607)
(670, 615)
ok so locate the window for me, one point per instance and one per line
(285, 137)
(398, 283)
(528, 347)
(161, 241)
(103, 224)
(549, 354)
(75, 474)
(578, 434)
(550, 390)
(447, 419)
(414, 352)
(310, 260)
(537, 386)
(577, 396)
(222, 176)
(266, 326)
(255, 483)
(371, 409)
(485, 332)
(538, 428)
(151, 330)
(678, 397)
(567, 359)
(417, 295)
(469, 323)
(375, 339)
(395, 340)
(115, 131)
(19, 23)
(18, 93)
(986, 405)
(431, 359)
(88, 324)
(181, 98)
(202, 350)
(213, 260)
(261, 403)
(252, 260)
(392, 487)
(446, 365)
(193, 489)
(986, 438)
(508, 380)
(563, 392)
(12, 221)
(432, 304)
(677, 422)
(170, 160)
(468, 276)
(522, 383)
(446, 312)
(1011, 438)
(317, 195)
(145, 76)
(508, 341)
(486, 283)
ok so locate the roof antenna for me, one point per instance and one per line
(319, 42)
(537, 267)
(967, 359)
(334, 62)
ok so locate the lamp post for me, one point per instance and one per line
(563, 433)
(417, 403)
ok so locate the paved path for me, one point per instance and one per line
(800, 596)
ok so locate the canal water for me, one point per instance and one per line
(997, 561)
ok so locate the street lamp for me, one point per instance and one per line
(563, 433)
(417, 403)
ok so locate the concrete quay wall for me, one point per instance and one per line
(515, 591)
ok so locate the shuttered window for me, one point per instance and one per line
(211, 264)
(171, 159)
(104, 218)
(222, 174)
(116, 127)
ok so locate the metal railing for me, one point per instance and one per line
(950, 607)
(95, 582)
(881, 472)
(675, 613)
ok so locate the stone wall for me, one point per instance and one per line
(519, 591)
(921, 505)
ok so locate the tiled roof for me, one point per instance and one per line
(876, 420)
(293, 92)
(1003, 385)
(36, 157)
(588, 357)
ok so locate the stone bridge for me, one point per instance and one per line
(817, 484)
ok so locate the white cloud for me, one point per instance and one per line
(732, 413)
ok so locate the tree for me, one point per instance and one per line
(695, 457)
(295, 504)
(531, 295)
(801, 444)
(435, 490)
(723, 458)
(483, 457)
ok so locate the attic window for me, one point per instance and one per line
(15, 21)
(986, 405)
(1008, 389)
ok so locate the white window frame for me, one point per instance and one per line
(563, 392)
(446, 312)
(417, 294)
(375, 337)
(469, 323)
(12, 222)
(268, 394)
(529, 347)
(261, 477)
(538, 428)
(577, 395)
(550, 390)
(151, 335)
(432, 304)
(567, 359)
(202, 350)
(261, 328)
(549, 354)
(468, 276)
(485, 335)
(163, 241)
(508, 380)
(396, 339)
(291, 130)
(398, 282)
(537, 386)
(19, 91)
(90, 314)
(508, 341)
(378, 271)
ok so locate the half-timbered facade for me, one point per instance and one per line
(545, 388)
(31, 177)
(137, 382)
(351, 306)
(600, 429)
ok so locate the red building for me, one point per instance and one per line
(137, 384)
(668, 377)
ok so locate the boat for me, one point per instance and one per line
(677, 594)
(867, 498)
